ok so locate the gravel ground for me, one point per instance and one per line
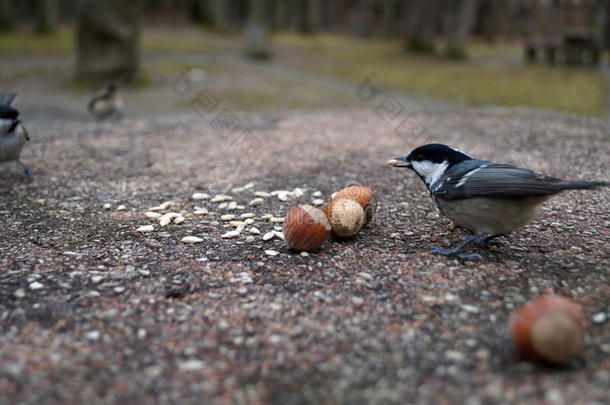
(92, 311)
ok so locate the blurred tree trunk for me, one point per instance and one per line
(422, 18)
(389, 18)
(280, 15)
(364, 21)
(6, 15)
(606, 29)
(46, 16)
(107, 36)
(461, 22)
(302, 16)
(201, 12)
(256, 44)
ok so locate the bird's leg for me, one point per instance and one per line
(478, 238)
(26, 170)
(488, 239)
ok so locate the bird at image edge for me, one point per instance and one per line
(13, 134)
(487, 198)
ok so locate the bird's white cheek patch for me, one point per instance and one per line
(430, 171)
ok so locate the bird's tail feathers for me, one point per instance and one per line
(583, 185)
(7, 98)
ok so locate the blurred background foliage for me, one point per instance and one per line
(311, 54)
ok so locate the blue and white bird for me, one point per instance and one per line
(13, 134)
(487, 198)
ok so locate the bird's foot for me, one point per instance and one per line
(456, 252)
(26, 171)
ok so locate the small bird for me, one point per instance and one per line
(487, 198)
(108, 103)
(13, 134)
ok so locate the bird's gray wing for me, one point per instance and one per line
(497, 180)
(7, 98)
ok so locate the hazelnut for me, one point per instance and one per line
(364, 196)
(305, 228)
(549, 329)
(346, 217)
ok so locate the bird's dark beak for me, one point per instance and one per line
(400, 162)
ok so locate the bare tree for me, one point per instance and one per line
(6, 15)
(107, 36)
(256, 44)
(461, 23)
(46, 16)
(389, 18)
(364, 20)
(423, 16)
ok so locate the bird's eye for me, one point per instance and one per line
(419, 158)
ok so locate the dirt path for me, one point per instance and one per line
(92, 311)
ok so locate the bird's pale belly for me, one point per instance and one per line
(500, 215)
(10, 147)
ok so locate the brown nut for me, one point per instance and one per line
(549, 329)
(346, 217)
(364, 196)
(305, 228)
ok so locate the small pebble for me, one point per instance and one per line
(157, 208)
(166, 204)
(191, 239)
(250, 239)
(247, 215)
(146, 228)
(107, 206)
(254, 230)
(599, 317)
(269, 236)
(227, 217)
(304, 254)
(20, 293)
(279, 234)
(262, 194)
(249, 221)
(201, 211)
(179, 220)
(277, 220)
(221, 198)
(152, 215)
(317, 202)
(317, 194)
(36, 285)
(93, 335)
(271, 252)
(121, 207)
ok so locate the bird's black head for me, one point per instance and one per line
(8, 113)
(430, 161)
(434, 153)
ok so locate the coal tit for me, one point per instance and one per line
(13, 134)
(487, 198)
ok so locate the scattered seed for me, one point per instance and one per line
(179, 220)
(121, 207)
(232, 205)
(201, 211)
(247, 215)
(263, 194)
(227, 217)
(599, 318)
(200, 196)
(279, 234)
(317, 201)
(277, 220)
(146, 228)
(283, 196)
(214, 223)
(267, 217)
(107, 206)
(240, 207)
(157, 208)
(221, 198)
(254, 230)
(164, 220)
(271, 252)
(304, 254)
(298, 192)
(166, 204)
(317, 194)
(269, 236)
(152, 215)
(256, 202)
(223, 205)
(249, 221)
(250, 239)
(36, 285)
(191, 239)
(237, 223)
(230, 235)
(278, 228)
